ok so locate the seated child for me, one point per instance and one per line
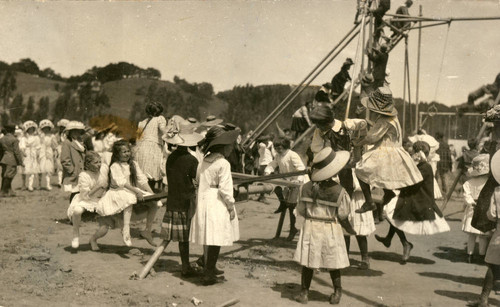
(90, 190)
(127, 186)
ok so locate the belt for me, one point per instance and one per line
(320, 219)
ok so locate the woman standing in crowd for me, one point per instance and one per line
(215, 223)
(47, 152)
(472, 187)
(149, 150)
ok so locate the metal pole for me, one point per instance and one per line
(404, 88)
(420, 18)
(407, 62)
(432, 25)
(417, 123)
(267, 121)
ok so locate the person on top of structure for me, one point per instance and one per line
(492, 90)
(402, 10)
(379, 57)
(378, 13)
(341, 78)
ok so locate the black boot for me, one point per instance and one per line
(279, 193)
(383, 240)
(210, 277)
(201, 263)
(337, 285)
(367, 206)
(293, 230)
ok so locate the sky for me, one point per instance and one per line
(229, 43)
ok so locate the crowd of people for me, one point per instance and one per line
(355, 166)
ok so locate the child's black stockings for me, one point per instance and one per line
(307, 275)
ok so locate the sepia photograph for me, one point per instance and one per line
(250, 153)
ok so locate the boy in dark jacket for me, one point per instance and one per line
(11, 157)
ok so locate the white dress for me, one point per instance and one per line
(362, 223)
(472, 188)
(47, 150)
(86, 182)
(211, 223)
(32, 149)
(118, 197)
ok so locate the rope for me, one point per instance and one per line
(442, 60)
(360, 42)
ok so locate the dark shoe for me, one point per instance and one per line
(302, 297)
(366, 207)
(200, 263)
(383, 240)
(335, 297)
(211, 279)
(406, 251)
(189, 272)
(263, 200)
(365, 263)
(146, 235)
(292, 234)
(281, 208)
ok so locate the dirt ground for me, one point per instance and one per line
(37, 267)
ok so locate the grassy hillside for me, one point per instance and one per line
(124, 93)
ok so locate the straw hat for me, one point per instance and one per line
(62, 122)
(327, 163)
(74, 125)
(185, 137)
(480, 165)
(46, 124)
(380, 101)
(193, 121)
(29, 124)
(495, 166)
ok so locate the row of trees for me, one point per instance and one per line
(30, 67)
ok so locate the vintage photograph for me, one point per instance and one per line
(250, 153)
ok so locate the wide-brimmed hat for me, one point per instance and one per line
(62, 122)
(480, 165)
(380, 101)
(211, 121)
(327, 163)
(29, 124)
(46, 124)
(185, 137)
(74, 125)
(322, 113)
(225, 137)
(193, 121)
(495, 166)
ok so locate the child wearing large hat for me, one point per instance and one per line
(321, 243)
(47, 152)
(31, 147)
(215, 223)
(386, 165)
(181, 170)
(478, 175)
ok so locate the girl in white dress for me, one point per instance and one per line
(214, 223)
(127, 186)
(322, 203)
(48, 148)
(478, 176)
(90, 189)
(32, 148)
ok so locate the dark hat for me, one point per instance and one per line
(322, 113)
(380, 101)
(222, 137)
(348, 61)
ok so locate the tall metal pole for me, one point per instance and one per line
(417, 122)
(404, 87)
